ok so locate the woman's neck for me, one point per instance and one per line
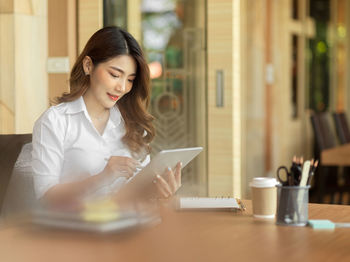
(94, 109)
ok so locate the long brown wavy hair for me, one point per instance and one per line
(106, 44)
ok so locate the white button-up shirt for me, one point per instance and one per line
(67, 147)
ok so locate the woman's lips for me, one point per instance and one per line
(113, 97)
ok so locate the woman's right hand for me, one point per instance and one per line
(121, 166)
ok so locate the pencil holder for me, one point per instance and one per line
(292, 205)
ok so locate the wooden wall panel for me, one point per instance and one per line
(7, 120)
(254, 112)
(24, 7)
(134, 19)
(220, 119)
(29, 7)
(58, 84)
(7, 80)
(7, 62)
(90, 19)
(6, 6)
(62, 27)
(31, 98)
(72, 34)
(23, 53)
(201, 98)
(224, 123)
(289, 134)
(58, 28)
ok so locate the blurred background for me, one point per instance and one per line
(246, 79)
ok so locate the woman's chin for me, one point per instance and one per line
(109, 104)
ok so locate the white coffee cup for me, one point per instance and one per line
(264, 196)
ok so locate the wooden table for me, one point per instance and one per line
(337, 156)
(188, 236)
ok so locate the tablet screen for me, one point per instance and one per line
(159, 163)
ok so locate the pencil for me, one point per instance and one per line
(311, 174)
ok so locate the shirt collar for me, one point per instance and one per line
(78, 106)
(115, 116)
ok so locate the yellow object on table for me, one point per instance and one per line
(101, 210)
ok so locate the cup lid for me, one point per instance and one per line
(263, 182)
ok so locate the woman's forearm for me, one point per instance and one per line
(71, 193)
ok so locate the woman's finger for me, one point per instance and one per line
(133, 164)
(171, 180)
(130, 170)
(161, 191)
(177, 174)
(123, 162)
(162, 183)
(127, 169)
(126, 164)
(137, 163)
(124, 171)
(122, 174)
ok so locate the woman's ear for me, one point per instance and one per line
(87, 65)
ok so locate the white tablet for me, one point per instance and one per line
(159, 163)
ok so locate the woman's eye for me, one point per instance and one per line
(113, 75)
(131, 80)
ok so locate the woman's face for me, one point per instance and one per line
(111, 80)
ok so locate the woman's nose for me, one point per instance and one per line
(120, 87)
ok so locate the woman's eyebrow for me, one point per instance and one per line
(121, 70)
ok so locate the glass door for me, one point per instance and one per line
(173, 38)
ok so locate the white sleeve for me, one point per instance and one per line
(48, 151)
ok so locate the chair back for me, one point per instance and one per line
(324, 135)
(10, 147)
(342, 127)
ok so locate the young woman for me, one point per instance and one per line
(98, 134)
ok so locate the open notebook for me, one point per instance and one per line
(101, 216)
(76, 222)
(210, 203)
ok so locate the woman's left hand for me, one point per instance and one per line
(169, 183)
